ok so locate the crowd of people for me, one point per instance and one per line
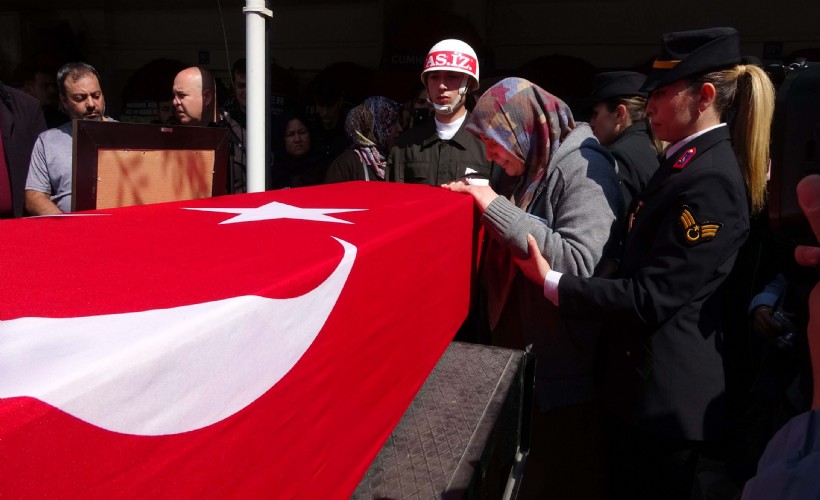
(609, 244)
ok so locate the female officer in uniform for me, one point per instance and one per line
(664, 380)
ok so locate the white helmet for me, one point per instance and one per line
(452, 55)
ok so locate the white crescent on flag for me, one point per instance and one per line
(167, 371)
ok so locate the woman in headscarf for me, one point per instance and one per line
(561, 186)
(373, 126)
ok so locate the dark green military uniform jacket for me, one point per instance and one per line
(420, 157)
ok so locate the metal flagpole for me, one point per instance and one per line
(256, 55)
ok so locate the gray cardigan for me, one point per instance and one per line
(572, 217)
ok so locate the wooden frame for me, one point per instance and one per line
(121, 164)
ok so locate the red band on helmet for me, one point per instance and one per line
(449, 59)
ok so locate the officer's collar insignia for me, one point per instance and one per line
(695, 232)
(685, 157)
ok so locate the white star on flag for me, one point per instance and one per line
(276, 210)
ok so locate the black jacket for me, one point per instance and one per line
(21, 120)
(349, 167)
(664, 367)
(637, 160)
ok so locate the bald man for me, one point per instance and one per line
(195, 96)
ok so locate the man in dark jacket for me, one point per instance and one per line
(41, 83)
(21, 121)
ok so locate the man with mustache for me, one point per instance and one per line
(48, 187)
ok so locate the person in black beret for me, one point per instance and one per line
(663, 379)
(619, 122)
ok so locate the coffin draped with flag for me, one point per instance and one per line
(254, 345)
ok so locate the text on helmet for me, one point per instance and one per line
(449, 59)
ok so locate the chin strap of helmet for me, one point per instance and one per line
(447, 109)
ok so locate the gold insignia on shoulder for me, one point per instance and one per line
(695, 232)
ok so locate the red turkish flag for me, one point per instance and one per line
(253, 345)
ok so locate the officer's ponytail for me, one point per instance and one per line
(746, 93)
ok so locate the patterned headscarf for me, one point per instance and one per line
(368, 126)
(527, 121)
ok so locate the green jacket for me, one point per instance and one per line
(420, 157)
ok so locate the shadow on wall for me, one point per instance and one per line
(147, 87)
(411, 27)
(568, 78)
